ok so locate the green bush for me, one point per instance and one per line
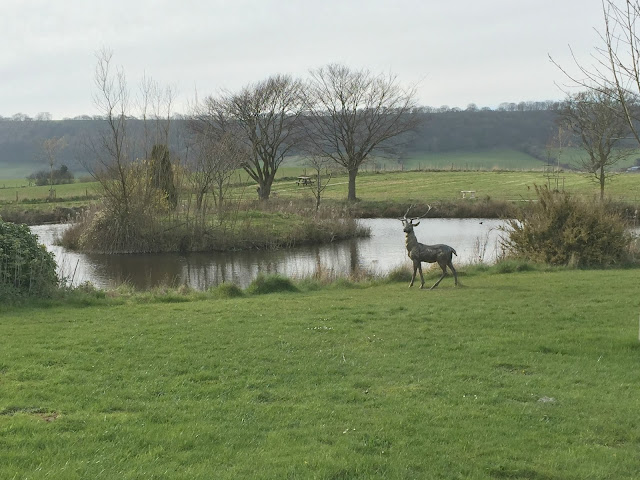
(270, 284)
(227, 290)
(26, 267)
(563, 230)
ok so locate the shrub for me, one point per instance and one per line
(400, 274)
(26, 267)
(270, 284)
(227, 290)
(560, 230)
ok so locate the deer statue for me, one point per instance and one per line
(419, 253)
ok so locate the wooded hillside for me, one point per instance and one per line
(527, 131)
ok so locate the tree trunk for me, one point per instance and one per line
(351, 196)
(601, 183)
(264, 190)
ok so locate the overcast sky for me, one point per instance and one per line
(458, 52)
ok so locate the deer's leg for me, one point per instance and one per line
(421, 276)
(413, 277)
(444, 273)
(455, 274)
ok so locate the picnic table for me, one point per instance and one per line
(305, 180)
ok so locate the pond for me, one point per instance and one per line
(475, 240)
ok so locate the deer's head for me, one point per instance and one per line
(407, 224)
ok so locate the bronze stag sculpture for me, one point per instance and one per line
(418, 253)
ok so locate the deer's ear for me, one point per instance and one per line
(416, 224)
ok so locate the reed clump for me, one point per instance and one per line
(264, 225)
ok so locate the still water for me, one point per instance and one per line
(475, 240)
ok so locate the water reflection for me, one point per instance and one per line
(473, 239)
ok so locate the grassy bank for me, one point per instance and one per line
(523, 375)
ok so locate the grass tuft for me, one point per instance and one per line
(227, 290)
(265, 284)
(513, 265)
(399, 274)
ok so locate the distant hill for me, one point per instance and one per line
(442, 136)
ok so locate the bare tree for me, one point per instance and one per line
(113, 161)
(43, 117)
(155, 104)
(265, 117)
(354, 114)
(593, 116)
(216, 158)
(130, 198)
(319, 163)
(615, 70)
(51, 147)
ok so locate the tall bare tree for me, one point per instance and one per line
(155, 104)
(593, 116)
(615, 70)
(112, 161)
(355, 114)
(215, 159)
(265, 117)
(51, 148)
(130, 199)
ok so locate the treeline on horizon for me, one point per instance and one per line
(528, 127)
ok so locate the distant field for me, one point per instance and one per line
(448, 185)
(16, 188)
(499, 159)
(382, 186)
(495, 159)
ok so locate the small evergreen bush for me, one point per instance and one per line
(563, 230)
(26, 267)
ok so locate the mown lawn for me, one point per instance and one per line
(523, 375)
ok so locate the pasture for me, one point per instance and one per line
(399, 186)
(513, 375)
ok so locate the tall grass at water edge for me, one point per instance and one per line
(259, 226)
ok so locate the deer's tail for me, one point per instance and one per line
(454, 252)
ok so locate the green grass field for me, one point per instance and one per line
(12, 189)
(447, 185)
(523, 375)
(385, 186)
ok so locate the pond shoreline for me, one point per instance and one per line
(461, 208)
(475, 241)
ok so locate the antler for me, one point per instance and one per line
(425, 213)
(404, 218)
